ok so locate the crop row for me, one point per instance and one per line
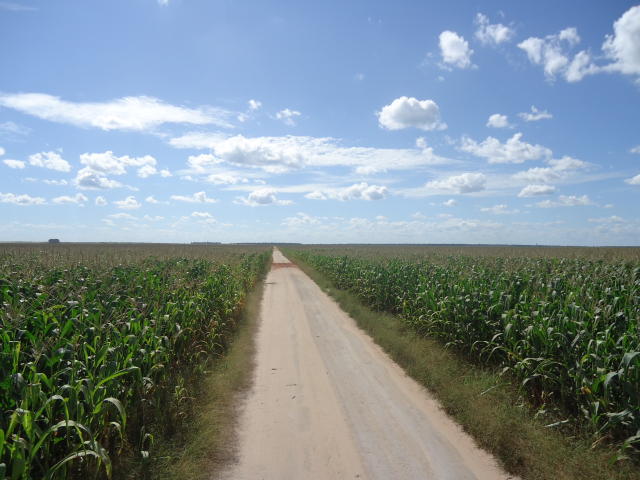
(568, 329)
(89, 353)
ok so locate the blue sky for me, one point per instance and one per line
(320, 122)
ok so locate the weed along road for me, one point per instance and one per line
(327, 403)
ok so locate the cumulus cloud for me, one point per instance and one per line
(225, 179)
(18, 164)
(361, 191)
(262, 197)
(77, 199)
(464, 183)
(254, 104)
(109, 164)
(498, 121)
(300, 220)
(560, 169)
(127, 113)
(454, 50)
(501, 209)
(282, 154)
(635, 150)
(450, 203)
(2, 151)
(50, 160)
(623, 46)
(129, 203)
(553, 54)
(535, 115)
(566, 201)
(512, 151)
(101, 201)
(634, 180)
(198, 197)
(22, 200)
(288, 116)
(88, 179)
(407, 112)
(55, 182)
(536, 191)
(491, 34)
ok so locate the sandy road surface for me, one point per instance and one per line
(327, 403)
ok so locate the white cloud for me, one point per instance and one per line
(281, 154)
(254, 104)
(19, 164)
(623, 47)
(146, 171)
(566, 201)
(552, 53)
(501, 209)
(163, 3)
(151, 199)
(489, 33)
(129, 203)
(361, 191)
(634, 180)
(455, 50)
(2, 151)
(300, 220)
(22, 200)
(262, 197)
(155, 218)
(512, 151)
(127, 113)
(535, 190)
(201, 215)
(498, 121)
(535, 115)
(50, 160)
(122, 216)
(202, 162)
(55, 182)
(77, 199)
(164, 173)
(635, 149)
(198, 197)
(101, 201)
(406, 112)
(288, 116)
(225, 179)
(560, 169)
(89, 179)
(109, 164)
(464, 183)
(450, 203)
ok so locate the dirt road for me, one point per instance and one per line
(327, 403)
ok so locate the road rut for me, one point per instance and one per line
(328, 403)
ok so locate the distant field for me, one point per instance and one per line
(94, 339)
(435, 251)
(563, 321)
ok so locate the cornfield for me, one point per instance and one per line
(91, 343)
(567, 328)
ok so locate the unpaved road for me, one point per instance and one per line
(327, 403)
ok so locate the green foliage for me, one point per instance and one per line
(569, 329)
(89, 348)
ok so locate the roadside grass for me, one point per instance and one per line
(488, 406)
(206, 442)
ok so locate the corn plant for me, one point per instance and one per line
(88, 345)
